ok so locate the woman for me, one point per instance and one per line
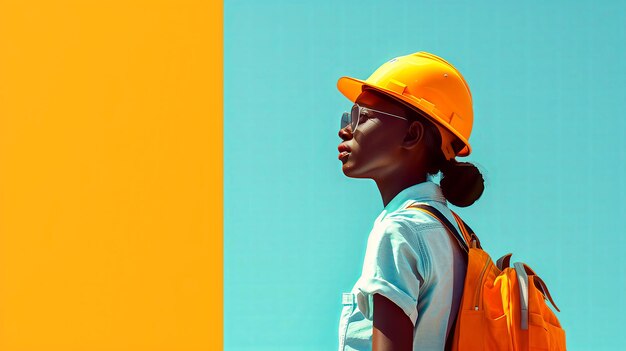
(411, 118)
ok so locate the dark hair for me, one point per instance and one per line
(461, 182)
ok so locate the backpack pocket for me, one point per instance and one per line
(483, 333)
(543, 336)
(498, 336)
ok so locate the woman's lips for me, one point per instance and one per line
(343, 147)
(344, 151)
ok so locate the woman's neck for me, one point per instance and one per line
(392, 186)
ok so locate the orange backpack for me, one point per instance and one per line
(502, 307)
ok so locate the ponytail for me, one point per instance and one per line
(462, 183)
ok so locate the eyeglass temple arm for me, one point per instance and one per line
(385, 113)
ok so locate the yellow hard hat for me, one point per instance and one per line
(430, 84)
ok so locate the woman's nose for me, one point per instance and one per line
(345, 133)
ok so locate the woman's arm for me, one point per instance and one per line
(393, 330)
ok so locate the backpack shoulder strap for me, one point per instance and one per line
(468, 233)
(433, 212)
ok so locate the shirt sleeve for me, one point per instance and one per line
(395, 266)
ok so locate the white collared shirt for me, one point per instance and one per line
(413, 261)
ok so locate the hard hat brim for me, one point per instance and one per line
(351, 88)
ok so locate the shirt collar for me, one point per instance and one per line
(422, 192)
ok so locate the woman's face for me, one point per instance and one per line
(374, 149)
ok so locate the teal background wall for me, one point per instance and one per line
(549, 87)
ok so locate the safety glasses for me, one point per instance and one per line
(360, 113)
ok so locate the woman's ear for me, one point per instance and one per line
(414, 135)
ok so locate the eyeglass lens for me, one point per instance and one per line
(351, 118)
(354, 114)
(345, 119)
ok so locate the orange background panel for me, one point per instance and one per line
(110, 175)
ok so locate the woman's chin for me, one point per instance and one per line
(351, 168)
(350, 171)
(347, 169)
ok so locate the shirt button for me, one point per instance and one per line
(347, 299)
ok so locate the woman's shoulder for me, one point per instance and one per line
(414, 218)
(409, 225)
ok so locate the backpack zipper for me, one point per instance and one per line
(479, 286)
